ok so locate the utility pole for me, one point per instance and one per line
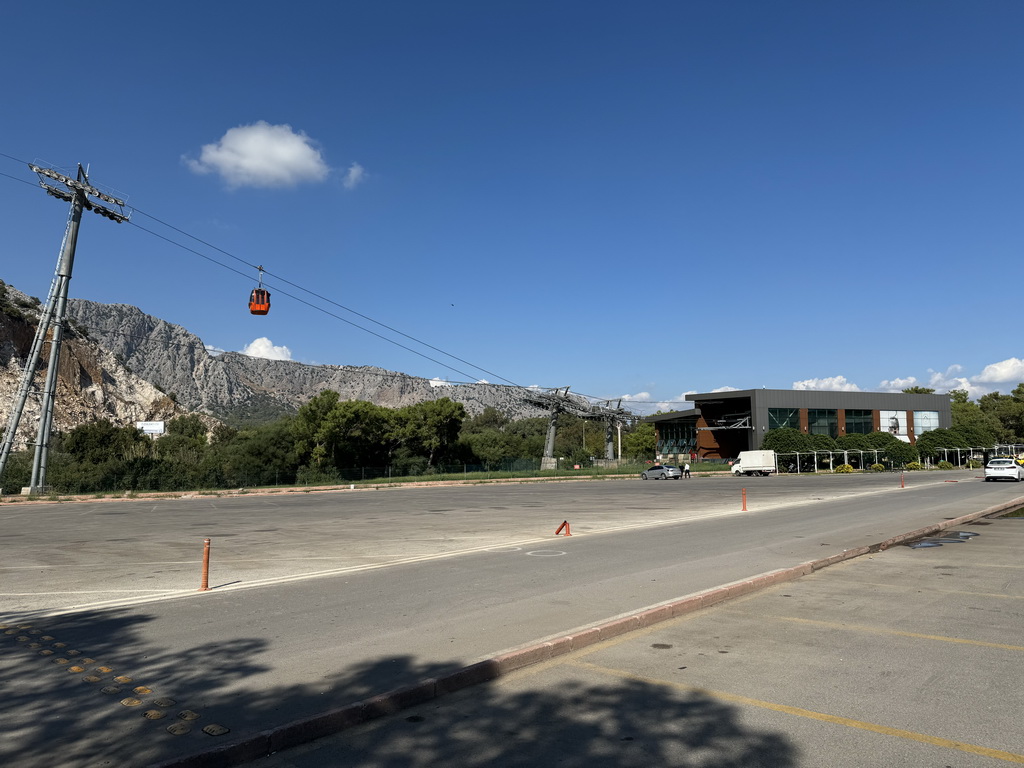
(77, 192)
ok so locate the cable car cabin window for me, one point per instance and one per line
(259, 301)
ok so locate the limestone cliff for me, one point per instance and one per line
(92, 383)
(226, 384)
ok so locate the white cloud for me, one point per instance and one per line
(264, 347)
(263, 155)
(897, 384)
(436, 382)
(678, 403)
(1010, 371)
(725, 389)
(639, 397)
(832, 383)
(944, 381)
(214, 351)
(354, 176)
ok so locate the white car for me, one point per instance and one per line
(1003, 469)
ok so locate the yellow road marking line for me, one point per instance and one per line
(936, 741)
(893, 632)
(932, 591)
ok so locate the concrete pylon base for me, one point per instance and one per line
(548, 463)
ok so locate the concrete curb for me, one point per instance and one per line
(336, 720)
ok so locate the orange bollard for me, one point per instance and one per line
(206, 566)
(744, 500)
(901, 481)
(565, 524)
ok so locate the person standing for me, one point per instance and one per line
(686, 470)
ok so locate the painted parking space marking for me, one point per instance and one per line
(923, 738)
(891, 632)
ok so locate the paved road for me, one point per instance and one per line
(331, 598)
(907, 658)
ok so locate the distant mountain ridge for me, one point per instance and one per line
(231, 385)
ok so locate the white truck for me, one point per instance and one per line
(755, 463)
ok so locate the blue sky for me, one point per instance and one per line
(633, 199)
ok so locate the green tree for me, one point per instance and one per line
(786, 440)
(431, 429)
(98, 441)
(929, 443)
(314, 444)
(852, 442)
(190, 426)
(979, 429)
(900, 453)
(919, 391)
(879, 440)
(530, 435)
(640, 442)
(1009, 411)
(823, 443)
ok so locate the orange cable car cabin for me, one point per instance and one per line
(259, 301)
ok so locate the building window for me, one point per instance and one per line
(858, 422)
(677, 438)
(925, 421)
(780, 418)
(894, 422)
(823, 421)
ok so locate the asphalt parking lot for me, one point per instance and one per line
(907, 657)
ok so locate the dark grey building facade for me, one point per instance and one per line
(722, 424)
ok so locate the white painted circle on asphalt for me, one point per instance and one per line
(546, 553)
(503, 549)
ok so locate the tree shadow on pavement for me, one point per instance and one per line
(560, 720)
(89, 690)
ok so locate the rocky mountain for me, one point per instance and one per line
(91, 382)
(126, 366)
(235, 387)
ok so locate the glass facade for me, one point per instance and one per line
(779, 418)
(925, 421)
(677, 438)
(859, 422)
(823, 421)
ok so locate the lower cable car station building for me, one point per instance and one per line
(721, 424)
